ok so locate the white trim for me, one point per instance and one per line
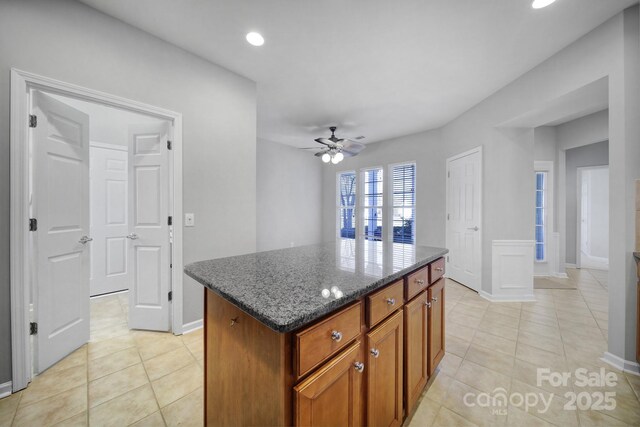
(361, 205)
(192, 326)
(338, 206)
(21, 83)
(108, 146)
(507, 298)
(5, 389)
(569, 265)
(628, 366)
(480, 189)
(512, 263)
(550, 262)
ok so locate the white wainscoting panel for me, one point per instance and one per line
(512, 271)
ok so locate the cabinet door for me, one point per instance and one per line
(334, 395)
(436, 324)
(415, 349)
(385, 374)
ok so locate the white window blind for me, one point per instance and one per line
(404, 203)
(347, 183)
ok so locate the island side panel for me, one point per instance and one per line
(248, 369)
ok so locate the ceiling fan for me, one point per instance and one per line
(335, 149)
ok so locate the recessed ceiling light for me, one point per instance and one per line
(539, 4)
(255, 39)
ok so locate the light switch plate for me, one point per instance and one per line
(189, 220)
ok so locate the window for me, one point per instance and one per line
(372, 202)
(541, 195)
(347, 205)
(404, 203)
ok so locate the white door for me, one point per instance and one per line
(60, 144)
(109, 218)
(463, 218)
(150, 254)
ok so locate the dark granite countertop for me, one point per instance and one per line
(289, 288)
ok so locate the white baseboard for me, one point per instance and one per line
(568, 265)
(507, 298)
(627, 366)
(560, 275)
(5, 389)
(192, 326)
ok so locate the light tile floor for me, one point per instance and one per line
(119, 378)
(140, 378)
(492, 345)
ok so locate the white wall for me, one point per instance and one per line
(289, 196)
(426, 151)
(587, 155)
(583, 131)
(71, 42)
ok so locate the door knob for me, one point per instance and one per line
(85, 239)
(132, 236)
(473, 228)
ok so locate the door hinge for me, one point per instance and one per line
(33, 120)
(169, 146)
(170, 295)
(448, 174)
(447, 216)
(33, 224)
(447, 258)
(33, 328)
(170, 220)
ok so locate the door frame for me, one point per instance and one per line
(448, 197)
(20, 265)
(579, 172)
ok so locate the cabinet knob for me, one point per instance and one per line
(375, 352)
(428, 304)
(358, 366)
(434, 299)
(336, 336)
(420, 281)
(391, 301)
(234, 321)
(439, 269)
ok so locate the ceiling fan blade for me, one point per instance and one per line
(320, 153)
(310, 148)
(354, 147)
(324, 141)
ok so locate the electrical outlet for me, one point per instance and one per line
(189, 220)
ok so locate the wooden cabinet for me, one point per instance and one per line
(416, 359)
(383, 303)
(417, 282)
(435, 294)
(385, 345)
(334, 395)
(317, 343)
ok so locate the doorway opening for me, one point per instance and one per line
(98, 180)
(592, 235)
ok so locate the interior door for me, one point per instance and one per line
(149, 254)
(60, 147)
(463, 219)
(109, 218)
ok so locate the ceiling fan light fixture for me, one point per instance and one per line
(334, 159)
(326, 158)
(255, 39)
(339, 156)
(539, 4)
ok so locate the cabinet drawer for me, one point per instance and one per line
(436, 270)
(384, 302)
(318, 342)
(417, 282)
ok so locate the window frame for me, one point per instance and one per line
(362, 206)
(548, 203)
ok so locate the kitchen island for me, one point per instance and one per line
(341, 333)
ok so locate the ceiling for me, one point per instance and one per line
(376, 68)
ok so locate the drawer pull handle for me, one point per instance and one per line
(440, 269)
(375, 352)
(391, 301)
(428, 304)
(358, 366)
(336, 336)
(434, 299)
(420, 281)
